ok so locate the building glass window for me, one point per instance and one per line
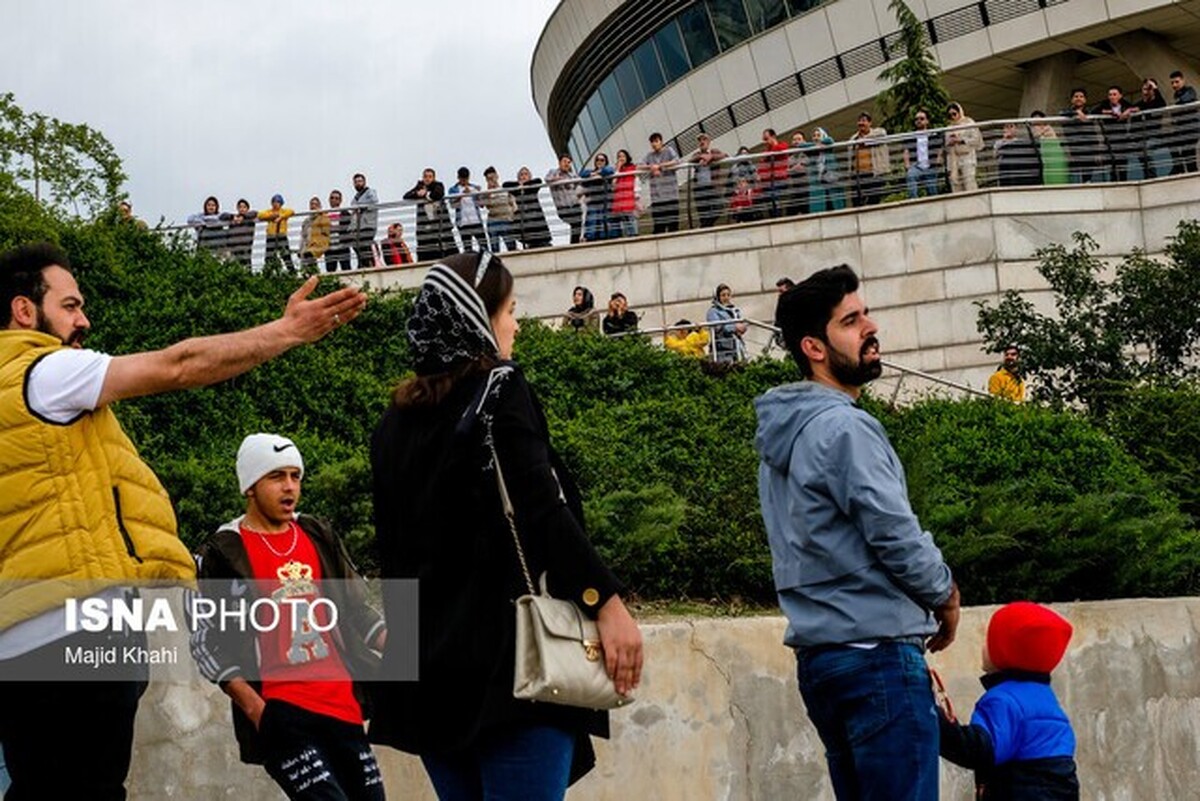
(648, 68)
(628, 83)
(801, 6)
(590, 140)
(600, 120)
(730, 20)
(766, 14)
(698, 34)
(577, 154)
(612, 100)
(670, 50)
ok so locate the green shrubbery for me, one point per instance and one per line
(1024, 501)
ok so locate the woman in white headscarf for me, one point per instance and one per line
(963, 141)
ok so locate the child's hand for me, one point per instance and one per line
(941, 698)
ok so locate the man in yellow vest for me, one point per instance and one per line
(1007, 382)
(82, 516)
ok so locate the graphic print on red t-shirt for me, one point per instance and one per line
(299, 665)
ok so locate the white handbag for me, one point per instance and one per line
(559, 658)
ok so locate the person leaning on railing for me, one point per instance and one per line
(276, 218)
(963, 141)
(691, 342)
(706, 180)
(501, 213)
(241, 233)
(619, 319)
(531, 220)
(1056, 166)
(314, 234)
(1185, 124)
(1016, 158)
(596, 191)
(1146, 128)
(622, 220)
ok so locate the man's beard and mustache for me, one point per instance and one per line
(855, 374)
(76, 336)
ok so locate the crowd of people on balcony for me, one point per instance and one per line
(1121, 138)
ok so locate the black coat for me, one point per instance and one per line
(435, 233)
(531, 220)
(229, 653)
(438, 518)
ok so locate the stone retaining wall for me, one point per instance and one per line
(719, 717)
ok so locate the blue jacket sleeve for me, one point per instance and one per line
(868, 486)
(999, 717)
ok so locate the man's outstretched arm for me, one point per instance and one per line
(201, 361)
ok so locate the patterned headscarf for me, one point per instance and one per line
(449, 324)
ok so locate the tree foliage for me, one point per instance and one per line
(1106, 335)
(915, 80)
(67, 165)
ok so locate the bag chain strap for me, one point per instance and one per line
(508, 510)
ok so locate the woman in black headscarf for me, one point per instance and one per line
(582, 316)
(439, 519)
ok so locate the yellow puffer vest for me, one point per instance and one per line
(79, 510)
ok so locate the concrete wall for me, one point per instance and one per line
(924, 262)
(719, 717)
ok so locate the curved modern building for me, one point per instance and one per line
(607, 73)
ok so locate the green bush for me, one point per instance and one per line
(1160, 427)
(1024, 501)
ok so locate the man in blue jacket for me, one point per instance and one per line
(863, 587)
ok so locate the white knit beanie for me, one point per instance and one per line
(264, 453)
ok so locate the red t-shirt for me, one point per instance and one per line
(773, 168)
(302, 667)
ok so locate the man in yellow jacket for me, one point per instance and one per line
(1007, 382)
(83, 517)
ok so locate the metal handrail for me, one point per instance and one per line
(820, 176)
(891, 365)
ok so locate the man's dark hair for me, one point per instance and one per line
(360, 175)
(1037, 114)
(865, 116)
(1119, 89)
(1176, 74)
(770, 132)
(463, 172)
(489, 171)
(1079, 90)
(785, 282)
(656, 135)
(805, 309)
(562, 156)
(21, 274)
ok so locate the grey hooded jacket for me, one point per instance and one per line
(851, 563)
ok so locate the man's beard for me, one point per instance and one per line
(854, 374)
(76, 338)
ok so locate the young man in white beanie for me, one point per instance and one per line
(297, 709)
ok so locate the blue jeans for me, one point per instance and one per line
(622, 224)
(922, 178)
(529, 763)
(501, 230)
(874, 710)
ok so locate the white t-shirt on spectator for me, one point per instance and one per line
(60, 387)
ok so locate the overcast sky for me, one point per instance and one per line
(245, 99)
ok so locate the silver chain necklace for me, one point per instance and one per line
(290, 548)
